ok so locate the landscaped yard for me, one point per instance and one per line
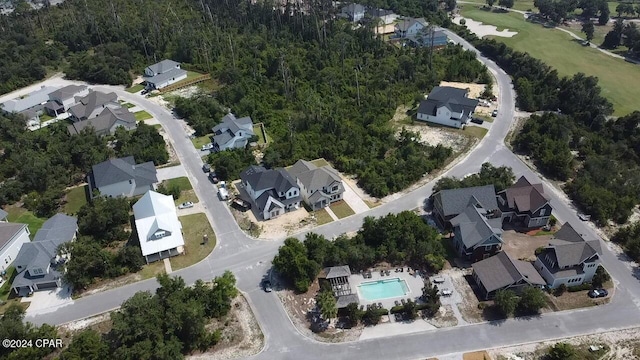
(257, 129)
(127, 105)
(135, 88)
(142, 115)
(341, 209)
(75, 197)
(475, 131)
(322, 217)
(194, 227)
(45, 117)
(617, 78)
(21, 215)
(186, 190)
(201, 140)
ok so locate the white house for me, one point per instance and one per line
(232, 133)
(163, 74)
(12, 236)
(273, 191)
(353, 12)
(320, 186)
(447, 106)
(158, 227)
(409, 27)
(122, 177)
(569, 259)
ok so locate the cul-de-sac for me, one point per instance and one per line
(297, 179)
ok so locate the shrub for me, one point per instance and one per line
(582, 287)
(560, 290)
(539, 250)
(601, 277)
(562, 351)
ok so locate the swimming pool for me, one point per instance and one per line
(383, 289)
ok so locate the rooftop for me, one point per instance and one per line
(501, 270)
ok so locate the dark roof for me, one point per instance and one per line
(501, 270)
(3, 214)
(105, 121)
(335, 272)
(93, 100)
(475, 227)
(230, 125)
(167, 75)
(455, 201)
(525, 196)
(163, 66)
(379, 12)
(570, 248)
(312, 177)
(8, 231)
(53, 105)
(67, 92)
(352, 9)
(406, 24)
(262, 179)
(59, 228)
(344, 300)
(454, 99)
(114, 171)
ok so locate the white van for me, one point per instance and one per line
(223, 194)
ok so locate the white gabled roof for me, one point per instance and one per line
(155, 212)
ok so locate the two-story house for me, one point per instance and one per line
(447, 204)
(477, 233)
(62, 99)
(106, 123)
(232, 133)
(503, 272)
(12, 237)
(38, 264)
(158, 227)
(569, 259)
(525, 204)
(163, 74)
(429, 38)
(353, 12)
(92, 105)
(320, 186)
(409, 27)
(274, 191)
(122, 177)
(447, 106)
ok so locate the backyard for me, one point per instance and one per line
(75, 198)
(558, 49)
(22, 215)
(194, 227)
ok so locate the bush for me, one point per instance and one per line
(560, 290)
(582, 287)
(601, 276)
(562, 351)
(539, 250)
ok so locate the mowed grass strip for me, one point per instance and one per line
(322, 217)
(186, 190)
(24, 216)
(617, 78)
(194, 227)
(75, 198)
(341, 209)
(135, 88)
(142, 115)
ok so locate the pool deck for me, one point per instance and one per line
(414, 283)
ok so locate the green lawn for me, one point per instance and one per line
(618, 79)
(142, 115)
(5, 290)
(341, 209)
(151, 270)
(75, 197)
(186, 190)
(474, 131)
(21, 215)
(192, 74)
(127, 105)
(322, 217)
(135, 88)
(194, 227)
(257, 129)
(45, 117)
(201, 140)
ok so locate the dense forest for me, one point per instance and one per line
(169, 324)
(321, 87)
(403, 238)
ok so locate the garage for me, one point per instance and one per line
(47, 285)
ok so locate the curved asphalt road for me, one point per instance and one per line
(249, 260)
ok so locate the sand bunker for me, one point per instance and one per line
(482, 30)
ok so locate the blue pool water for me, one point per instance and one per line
(383, 289)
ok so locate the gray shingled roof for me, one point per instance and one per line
(406, 24)
(261, 179)
(8, 231)
(525, 196)
(103, 122)
(501, 270)
(28, 101)
(93, 100)
(474, 227)
(114, 171)
(67, 92)
(163, 77)
(454, 99)
(336, 271)
(229, 126)
(570, 248)
(455, 201)
(312, 177)
(352, 9)
(344, 300)
(163, 66)
(59, 228)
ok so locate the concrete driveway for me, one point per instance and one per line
(48, 300)
(454, 299)
(353, 200)
(171, 172)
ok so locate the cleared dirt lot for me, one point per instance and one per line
(522, 246)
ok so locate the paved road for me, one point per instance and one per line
(249, 260)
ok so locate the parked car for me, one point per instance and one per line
(240, 204)
(144, 92)
(206, 168)
(185, 205)
(266, 285)
(477, 121)
(206, 147)
(494, 113)
(213, 177)
(446, 292)
(598, 293)
(584, 217)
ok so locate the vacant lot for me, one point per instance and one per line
(75, 198)
(522, 246)
(22, 215)
(186, 190)
(194, 227)
(618, 78)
